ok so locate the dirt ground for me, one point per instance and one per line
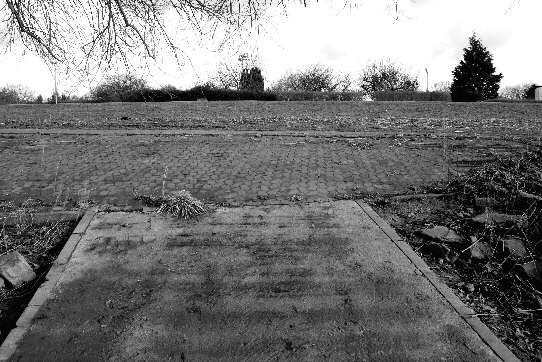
(497, 119)
(503, 300)
(455, 137)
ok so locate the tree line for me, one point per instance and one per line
(474, 79)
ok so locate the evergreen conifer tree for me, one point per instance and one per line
(474, 77)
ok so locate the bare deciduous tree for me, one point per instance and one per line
(94, 32)
(315, 78)
(443, 86)
(516, 92)
(16, 93)
(386, 76)
(227, 76)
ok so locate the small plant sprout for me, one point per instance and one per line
(164, 179)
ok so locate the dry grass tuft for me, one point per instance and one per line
(180, 204)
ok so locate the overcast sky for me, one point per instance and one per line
(429, 34)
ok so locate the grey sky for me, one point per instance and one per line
(430, 33)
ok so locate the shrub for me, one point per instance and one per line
(233, 95)
(8, 96)
(411, 96)
(315, 78)
(318, 96)
(119, 88)
(16, 94)
(515, 92)
(251, 80)
(386, 76)
(202, 91)
(66, 98)
(442, 87)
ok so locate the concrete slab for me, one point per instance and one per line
(289, 282)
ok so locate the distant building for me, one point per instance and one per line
(538, 93)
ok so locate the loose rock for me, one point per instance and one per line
(533, 270)
(15, 269)
(515, 247)
(493, 218)
(481, 251)
(442, 233)
(530, 197)
(2, 283)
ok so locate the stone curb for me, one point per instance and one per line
(221, 132)
(9, 219)
(465, 312)
(42, 294)
(190, 132)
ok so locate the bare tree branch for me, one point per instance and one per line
(93, 33)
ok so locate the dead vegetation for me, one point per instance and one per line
(38, 241)
(482, 232)
(425, 118)
(181, 204)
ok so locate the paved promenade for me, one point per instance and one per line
(307, 282)
(220, 168)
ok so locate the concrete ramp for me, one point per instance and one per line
(281, 282)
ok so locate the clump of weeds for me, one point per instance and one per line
(179, 203)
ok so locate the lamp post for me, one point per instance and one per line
(56, 89)
(427, 80)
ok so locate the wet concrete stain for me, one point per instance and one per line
(114, 245)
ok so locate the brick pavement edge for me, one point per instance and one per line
(24, 322)
(465, 312)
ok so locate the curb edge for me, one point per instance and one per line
(487, 336)
(9, 346)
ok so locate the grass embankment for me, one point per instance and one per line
(506, 118)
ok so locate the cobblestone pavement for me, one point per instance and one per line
(221, 168)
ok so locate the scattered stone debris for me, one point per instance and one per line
(498, 206)
(533, 270)
(529, 197)
(2, 283)
(15, 269)
(494, 218)
(515, 247)
(481, 251)
(442, 233)
(469, 287)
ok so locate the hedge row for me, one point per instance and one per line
(319, 96)
(213, 94)
(168, 95)
(412, 96)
